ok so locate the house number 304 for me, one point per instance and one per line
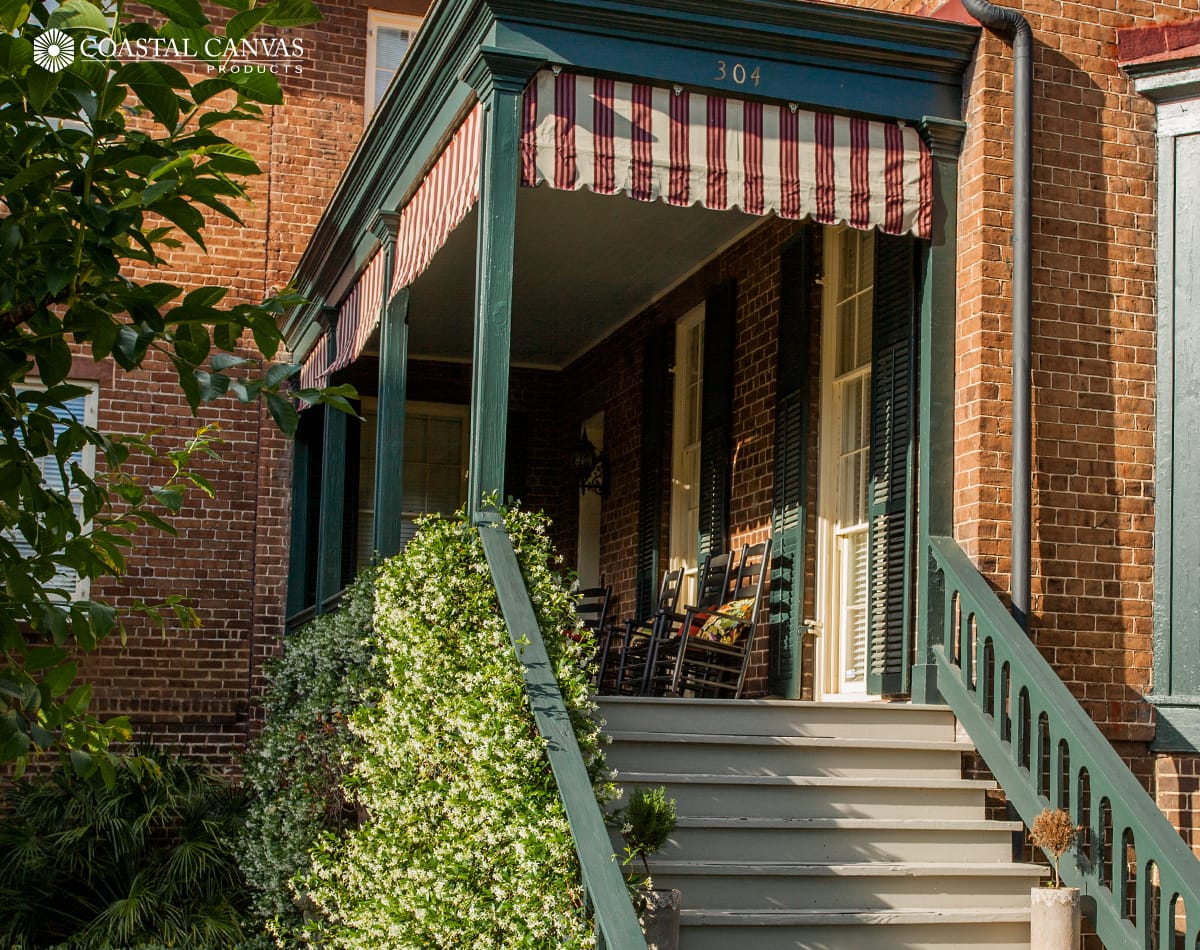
(736, 72)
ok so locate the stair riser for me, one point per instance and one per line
(836, 845)
(841, 892)
(716, 759)
(990, 936)
(781, 801)
(778, 719)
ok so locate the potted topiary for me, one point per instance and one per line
(646, 823)
(1054, 921)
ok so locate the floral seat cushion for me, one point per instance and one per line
(729, 621)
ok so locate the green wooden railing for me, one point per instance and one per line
(617, 927)
(1139, 881)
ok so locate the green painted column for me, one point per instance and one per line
(499, 78)
(333, 492)
(939, 301)
(393, 389)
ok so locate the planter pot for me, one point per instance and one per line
(660, 918)
(1054, 918)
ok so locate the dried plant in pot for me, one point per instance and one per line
(646, 822)
(1055, 918)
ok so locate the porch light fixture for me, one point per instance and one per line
(589, 466)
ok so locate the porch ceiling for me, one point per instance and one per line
(585, 264)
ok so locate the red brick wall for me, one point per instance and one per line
(194, 688)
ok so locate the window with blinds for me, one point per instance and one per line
(389, 36)
(56, 477)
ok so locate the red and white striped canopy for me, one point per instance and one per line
(682, 147)
(655, 143)
(437, 207)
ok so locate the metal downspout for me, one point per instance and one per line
(1013, 26)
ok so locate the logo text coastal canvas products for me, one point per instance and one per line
(55, 50)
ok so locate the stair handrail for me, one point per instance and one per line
(1032, 734)
(616, 923)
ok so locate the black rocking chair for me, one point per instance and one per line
(639, 634)
(592, 611)
(711, 591)
(712, 656)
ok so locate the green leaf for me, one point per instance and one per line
(169, 498)
(155, 83)
(280, 372)
(16, 53)
(59, 679)
(12, 15)
(184, 216)
(80, 15)
(41, 658)
(260, 87)
(157, 190)
(243, 24)
(283, 411)
(42, 85)
(212, 385)
(223, 361)
(54, 360)
(83, 763)
(187, 13)
(292, 13)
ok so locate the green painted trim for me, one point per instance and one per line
(616, 923)
(1177, 723)
(333, 491)
(298, 539)
(935, 426)
(333, 507)
(789, 514)
(500, 80)
(389, 426)
(999, 686)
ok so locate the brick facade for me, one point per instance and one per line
(193, 688)
(1093, 377)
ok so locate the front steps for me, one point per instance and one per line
(822, 826)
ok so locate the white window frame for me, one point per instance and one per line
(87, 462)
(832, 536)
(376, 19)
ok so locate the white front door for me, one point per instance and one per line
(843, 565)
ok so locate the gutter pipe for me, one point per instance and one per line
(1013, 26)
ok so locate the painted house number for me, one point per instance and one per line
(737, 73)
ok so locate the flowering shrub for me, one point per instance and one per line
(299, 764)
(466, 844)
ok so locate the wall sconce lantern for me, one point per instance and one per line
(589, 466)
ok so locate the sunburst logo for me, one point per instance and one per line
(54, 51)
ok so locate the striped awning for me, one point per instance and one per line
(359, 314)
(315, 368)
(682, 147)
(448, 191)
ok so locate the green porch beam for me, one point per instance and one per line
(333, 491)
(499, 78)
(935, 491)
(393, 390)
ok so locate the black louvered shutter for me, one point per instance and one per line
(893, 459)
(791, 482)
(655, 387)
(716, 418)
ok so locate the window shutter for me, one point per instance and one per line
(655, 390)
(893, 456)
(791, 482)
(716, 434)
